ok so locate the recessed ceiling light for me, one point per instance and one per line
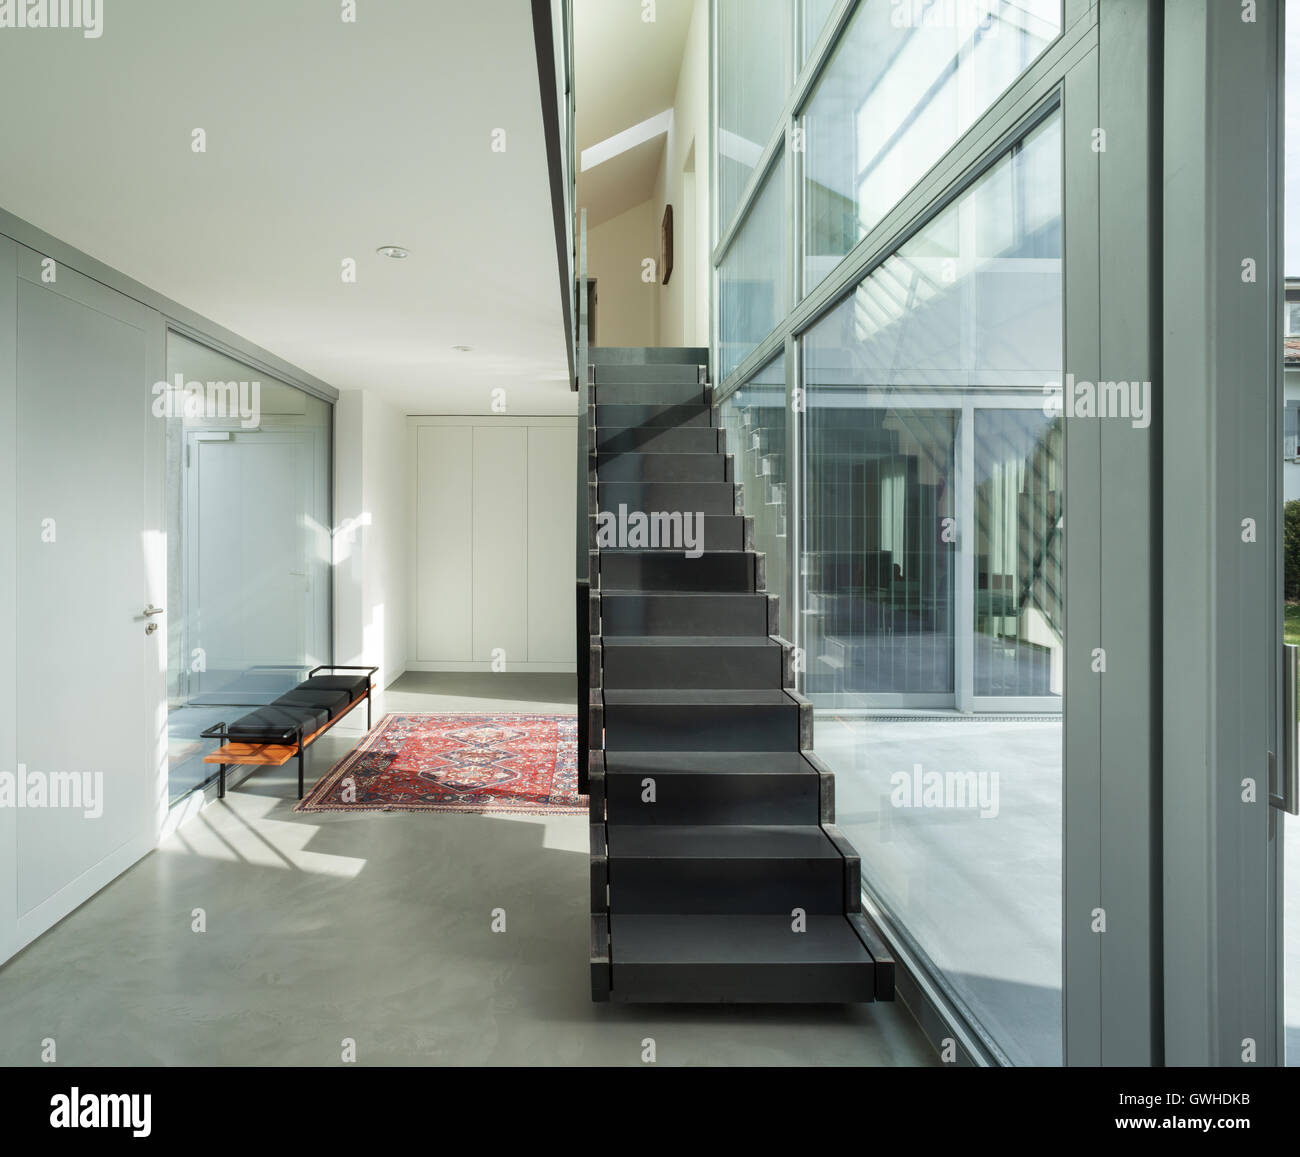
(393, 251)
(464, 349)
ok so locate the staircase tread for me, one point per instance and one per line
(685, 594)
(706, 762)
(710, 698)
(719, 842)
(691, 939)
(689, 641)
(650, 550)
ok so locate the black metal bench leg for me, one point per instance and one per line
(367, 710)
(221, 782)
(300, 769)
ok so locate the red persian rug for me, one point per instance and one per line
(519, 764)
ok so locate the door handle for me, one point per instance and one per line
(1289, 800)
(152, 610)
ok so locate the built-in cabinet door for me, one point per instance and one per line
(89, 553)
(551, 502)
(493, 569)
(500, 544)
(444, 544)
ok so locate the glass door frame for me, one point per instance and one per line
(963, 403)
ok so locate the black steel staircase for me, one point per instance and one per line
(717, 873)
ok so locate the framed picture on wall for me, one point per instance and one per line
(666, 244)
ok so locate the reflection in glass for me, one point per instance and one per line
(751, 279)
(754, 418)
(815, 15)
(932, 589)
(753, 38)
(895, 97)
(1019, 530)
(878, 575)
(249, 544)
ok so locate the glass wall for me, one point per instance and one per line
(753, 38)
(815, 15)
(751, 281)
(927, 588)
(905, 82)
(248, 462)
(755, 420)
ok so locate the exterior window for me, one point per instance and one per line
(930, 579)
(751, 280)
(753, 83)
(895, 97)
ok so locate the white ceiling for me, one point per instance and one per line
(626, 71)
(325, 140)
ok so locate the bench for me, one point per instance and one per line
(272, 735)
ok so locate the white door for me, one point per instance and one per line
(249, 594)
(91, 687)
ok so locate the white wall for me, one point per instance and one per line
(371, 535)
(683, 308)
(626, 306)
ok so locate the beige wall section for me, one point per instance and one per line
(625, 304)
(683, 183)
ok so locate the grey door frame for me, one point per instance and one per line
(1222, 691)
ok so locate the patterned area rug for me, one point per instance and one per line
(520, 764)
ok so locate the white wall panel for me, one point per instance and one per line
(552, 451)
(500, 579)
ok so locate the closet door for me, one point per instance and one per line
(552, 451)
(500, 543)
(444, 537)
(88, 562)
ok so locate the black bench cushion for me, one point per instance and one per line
(354, 685)
(332, 701)
(278, 723)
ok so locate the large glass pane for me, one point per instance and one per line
(931, 587)
(754, 417)
(751, 279)
(815, 15)
(1019, 527)
(905, 82)
(248, 543)
(878, 577)
(754, 50)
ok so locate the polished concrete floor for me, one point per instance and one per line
(978, 888)
(377, 928)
